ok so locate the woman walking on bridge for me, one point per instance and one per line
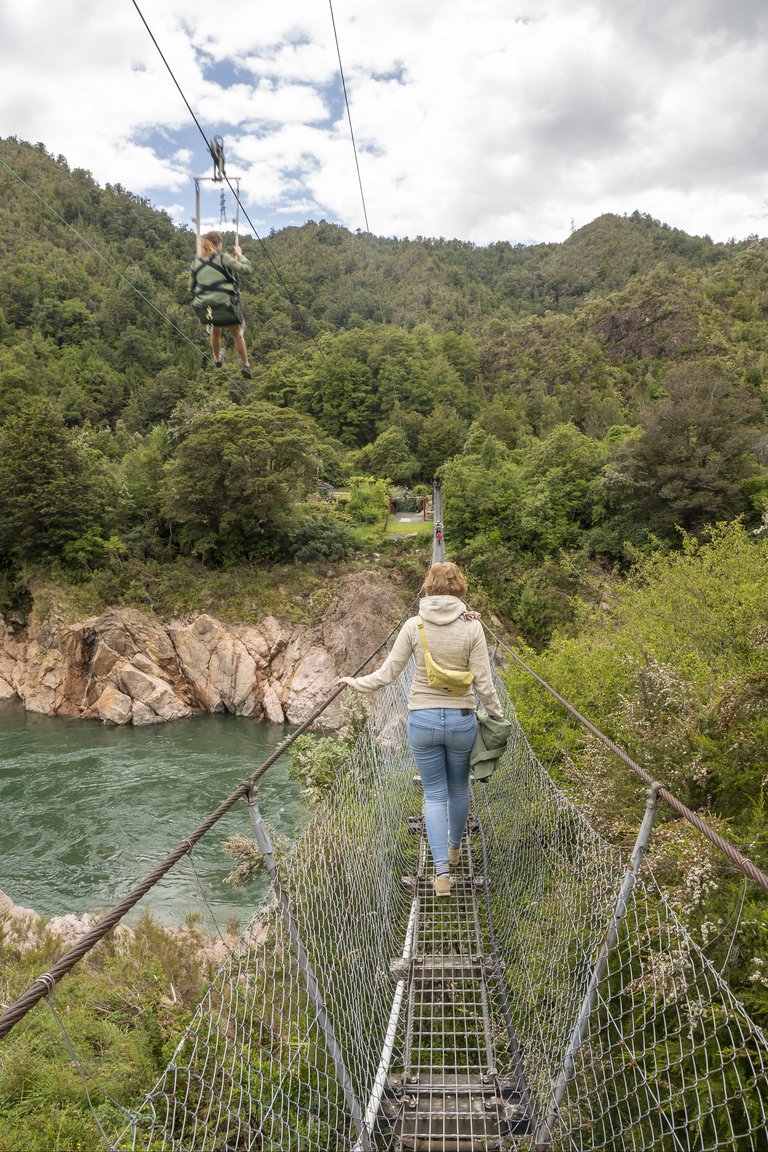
(442, 721)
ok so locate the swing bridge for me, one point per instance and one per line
(554, 1001)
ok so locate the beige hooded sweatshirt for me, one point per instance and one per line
(453, 643)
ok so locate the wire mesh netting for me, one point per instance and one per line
(361, 1011)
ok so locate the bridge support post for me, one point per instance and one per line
(438, 540)
(544, 1135)
(308, 976)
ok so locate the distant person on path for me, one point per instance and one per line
(216, 297)
(441, 727)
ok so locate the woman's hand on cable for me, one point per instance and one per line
(348, 680)
(468, 615)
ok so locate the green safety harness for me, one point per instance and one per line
(215, 294)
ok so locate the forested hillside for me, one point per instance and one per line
(579, 399)
(597, 411)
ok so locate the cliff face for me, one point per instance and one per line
(127, 667)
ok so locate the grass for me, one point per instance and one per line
(122, 1007)
(405, 528)
(247, 593)
(294, 593)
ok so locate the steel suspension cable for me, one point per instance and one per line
(741, 862)
(289, 295)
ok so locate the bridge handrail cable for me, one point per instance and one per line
(45, 983)
(741, 862)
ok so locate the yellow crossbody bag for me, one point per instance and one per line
(448, 680)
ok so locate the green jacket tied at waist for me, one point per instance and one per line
(490, 742)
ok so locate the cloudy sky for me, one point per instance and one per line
(479, 119)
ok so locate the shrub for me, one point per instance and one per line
(319, 536)
(368, 501)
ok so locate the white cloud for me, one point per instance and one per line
(480, 121)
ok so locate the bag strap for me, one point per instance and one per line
(420, 624)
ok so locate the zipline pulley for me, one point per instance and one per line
(216, 149)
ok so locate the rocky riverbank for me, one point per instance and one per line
(23, 929)
(130, 667)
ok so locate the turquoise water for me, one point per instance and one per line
(86, 811)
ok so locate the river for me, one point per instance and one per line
(86, 811)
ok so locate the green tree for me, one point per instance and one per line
(504, 419)
(339, 395)
(690, 465)
(54, 489)
(442, 436)
(390, 457)
(91, 390)
(368, 500)
(561, 488)
(235, 476)
(142, 472)
(19, 383)
(481, 492)
(156, 398)
(463, 353)
(6, 331)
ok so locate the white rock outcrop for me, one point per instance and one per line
(23, 929)
(129, 667)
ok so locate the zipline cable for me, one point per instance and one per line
(349, 116)
(298, 312)
(289, 296)
(163, 315)
(170, 71)
(376, 269)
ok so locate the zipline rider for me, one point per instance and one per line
(216, 297)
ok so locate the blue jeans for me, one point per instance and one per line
(441, 740)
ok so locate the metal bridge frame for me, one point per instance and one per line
(196, 219)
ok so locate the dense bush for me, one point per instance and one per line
(673, 665)
(123, 1007)
(368, 501)
(319, 536)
